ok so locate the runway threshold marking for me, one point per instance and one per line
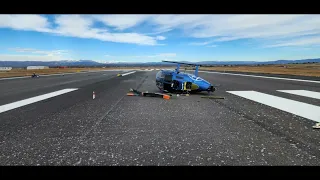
(17, 104)
(294, 107)
(266, 77)
(305, 93)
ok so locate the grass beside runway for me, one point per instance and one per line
(285, 69)
(24, 72)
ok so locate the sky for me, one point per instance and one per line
(152, 38)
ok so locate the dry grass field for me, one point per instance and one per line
(289, 69)
(24, 72)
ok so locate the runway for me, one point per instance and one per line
(54, 120)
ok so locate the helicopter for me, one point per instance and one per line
(174, 81)
(34, 75)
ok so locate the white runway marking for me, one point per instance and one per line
(128, 73)
(17, 104)
(305, 93)
(267, 77)
(294, 107)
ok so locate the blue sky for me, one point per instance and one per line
(146, 38)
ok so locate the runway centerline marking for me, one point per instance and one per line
(305, 93)
(266, 77)
(17, 104)
(294, 107)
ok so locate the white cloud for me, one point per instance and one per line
(25, 22)
(121, 22)
(160, 38)
(30, 54)
(167, 55)
(37, 51)
(49, 57)
(219, 28)
(137, 58)
(168, 22)
(232, 27)
(212, 45)
(80, 26)
(299, 42)
(161, 55)
(200, 43)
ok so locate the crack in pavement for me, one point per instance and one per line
(302, 145)
(82, 137)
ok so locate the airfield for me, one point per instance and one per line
(263, 120)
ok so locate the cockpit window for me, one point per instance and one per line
(193, 77)
(160, 75)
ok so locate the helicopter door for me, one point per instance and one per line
(175, 84)
(168, 78)
(187, 86)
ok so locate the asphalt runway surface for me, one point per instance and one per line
(261, 121)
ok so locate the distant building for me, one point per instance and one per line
(5, 68)
(37, 67)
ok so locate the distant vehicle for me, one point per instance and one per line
(175, 81)
(34, 75)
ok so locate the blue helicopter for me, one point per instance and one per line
(174, 81)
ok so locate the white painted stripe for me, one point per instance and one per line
(128, 73)
(14, 78)
(305, 93)
(17, 104)
(294, 107)
(267, 77)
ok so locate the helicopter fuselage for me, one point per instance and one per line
(173, 81)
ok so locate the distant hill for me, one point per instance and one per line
(79, 63)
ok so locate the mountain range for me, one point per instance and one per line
(88, 63)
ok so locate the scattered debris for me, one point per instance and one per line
(134, 92)
(317, 126)
(179, 95)
(183, 94)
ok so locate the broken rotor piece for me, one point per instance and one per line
(134, 92)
